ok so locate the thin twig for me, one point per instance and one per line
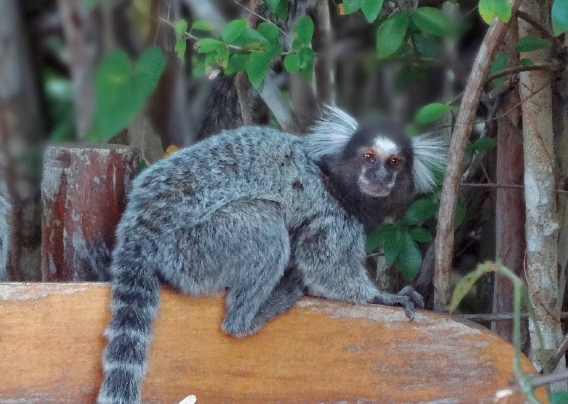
(541, 28)
(553, 67)
(497, 317)
(259, 16)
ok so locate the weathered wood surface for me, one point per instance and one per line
(320, 352)
(83, 192)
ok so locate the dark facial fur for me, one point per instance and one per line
(255, 212)
(372, 176)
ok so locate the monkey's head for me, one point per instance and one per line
(374, 164)
(377, 158)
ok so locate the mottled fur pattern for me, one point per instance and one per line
(258, 213)
(222, 109)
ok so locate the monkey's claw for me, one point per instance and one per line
(408, 298)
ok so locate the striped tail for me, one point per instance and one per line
(134, 303)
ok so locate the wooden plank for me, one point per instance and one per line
(320, 352)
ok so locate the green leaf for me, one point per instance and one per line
(420, 234)
(250, 39)
(391, 34)
(487, 10)
(304, 30)
(351, 6)
(503, 10)
(371, 9)
(484, 143)
(233, 30)
(527, 62)
(531, 43)
(559, 15)
(432, 21)
(206, 45)
(374, 240)
(220, 57)
(558, 397)
(201, 25)
(180, 47)
(269, 31)
(237, 63)
(121, 91)
(307, 60)
(499, 63)
(147, 73)
(258, 67)
(431, 112)
(409, 259)
(461, 212)
(421, 210)
(426, 44)
(279, 8)
(466, 283)
(180, 27)
(392, 243)
(292, 62)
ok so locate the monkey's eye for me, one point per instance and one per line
(369, 158)
(394, 161)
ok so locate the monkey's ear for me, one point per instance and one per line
(331, 133)
(430, 153)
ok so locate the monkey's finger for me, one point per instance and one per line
(416, 297)
(409, 309)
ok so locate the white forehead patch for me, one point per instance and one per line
(386, 145)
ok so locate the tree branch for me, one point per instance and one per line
(464, 122)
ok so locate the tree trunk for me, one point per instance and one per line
(510, 203)
(560, 113)
(540, 196)
(83, 37)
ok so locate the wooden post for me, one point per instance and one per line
(83, 194)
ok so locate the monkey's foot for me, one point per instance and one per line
(407, 298)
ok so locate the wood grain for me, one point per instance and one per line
(83, 194)
(320, 352)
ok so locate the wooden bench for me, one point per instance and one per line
(320, 352)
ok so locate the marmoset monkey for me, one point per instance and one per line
(265, 216)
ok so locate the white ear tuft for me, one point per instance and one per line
(430, 153)
(331, 132)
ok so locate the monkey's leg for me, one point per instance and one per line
(287, 292)
(243, 247)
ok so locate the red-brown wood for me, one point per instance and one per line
(84, 192)
(319, 352)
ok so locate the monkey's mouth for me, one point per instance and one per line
(374, 189)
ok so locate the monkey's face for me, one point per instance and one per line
(381, 163)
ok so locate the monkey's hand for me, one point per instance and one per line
(407, 298)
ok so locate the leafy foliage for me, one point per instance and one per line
(531, 43)
(391, 34)
(431, 112)
(121, 91)
(432, 21)
(489, 9)
(399, 240)
(559, 15)
(499, 63)
(240, 48)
